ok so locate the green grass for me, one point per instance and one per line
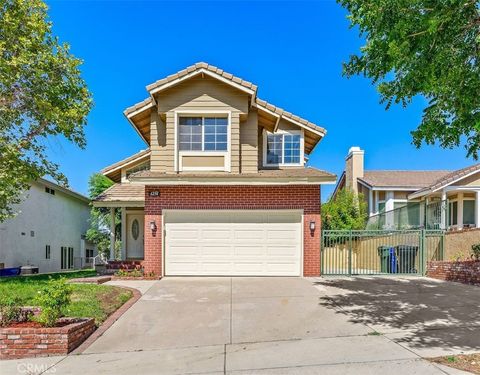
(87, 300)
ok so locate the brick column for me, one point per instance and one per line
(311, 245)
(153, 245)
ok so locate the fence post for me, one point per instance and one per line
(422, 252)
(350, 254)
(322, 233)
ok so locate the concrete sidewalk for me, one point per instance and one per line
(270, 326)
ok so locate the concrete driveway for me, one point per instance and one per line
(281, 326)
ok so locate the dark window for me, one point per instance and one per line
(47, 252)
(66, 258)
(49, 190)
(89, 253)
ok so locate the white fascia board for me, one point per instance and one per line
(136, 129)
(277, 115)
(127, 163)
(456, 180)
(195, 73)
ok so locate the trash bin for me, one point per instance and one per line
(407, 258)
(388, 259)
(384, 254)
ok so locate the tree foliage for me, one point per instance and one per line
(99, 231)
(42, 95)
(346, 210)
(429, 48)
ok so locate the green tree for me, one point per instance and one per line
(99, 231)
(42, 95)
(429, 48)
(346, 210)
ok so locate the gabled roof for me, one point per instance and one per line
(200, 68)
(447, 179)
(139, 114)
(113, 171)
(401, 179)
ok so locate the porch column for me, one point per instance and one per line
(112, 233)
(376, 202)
(370, 202)
(389, 207)
(124, 233)
(477, 208)
(460, 210)
(444, 207)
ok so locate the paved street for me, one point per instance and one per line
(281, 326)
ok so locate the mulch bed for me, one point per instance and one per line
(465, 362)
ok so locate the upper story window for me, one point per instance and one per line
(283, 149)
(203, 133)
(49, 190)
(140, 167)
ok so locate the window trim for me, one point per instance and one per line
(226, 154)
(284, 132)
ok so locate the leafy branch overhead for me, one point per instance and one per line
(429, 48)
(42, 95)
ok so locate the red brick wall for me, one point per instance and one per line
(305, 197)
(36, 342)
(467, 272)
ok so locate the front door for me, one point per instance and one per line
(135, 236)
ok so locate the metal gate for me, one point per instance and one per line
(380, 252)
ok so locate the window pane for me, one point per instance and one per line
(291, 149)
(190, 130)
(215, 134)
(468, 212)
(274, 148)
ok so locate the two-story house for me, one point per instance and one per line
(222, 188)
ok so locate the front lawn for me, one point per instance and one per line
(87, 300)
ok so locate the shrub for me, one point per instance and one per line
(11, 311)
(476, 251)
(127, 273)
(347, 210)
(53, 298)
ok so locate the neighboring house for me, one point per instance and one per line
(48, 231)
(436, 199)
(223, 188)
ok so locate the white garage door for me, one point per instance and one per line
(233, 243)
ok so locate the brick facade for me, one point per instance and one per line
(246, 197)
(19, 342)
(467, 272)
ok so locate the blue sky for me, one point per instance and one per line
(293, 51)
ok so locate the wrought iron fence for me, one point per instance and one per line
(379, 252)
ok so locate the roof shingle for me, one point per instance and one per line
(404, 179)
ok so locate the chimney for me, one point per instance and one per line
(353, 168)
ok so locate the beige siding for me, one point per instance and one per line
(159, 160)
(249, 144)
(202, 94)
(203, 161)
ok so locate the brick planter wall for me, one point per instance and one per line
(467, 272)
(237, 197)
(19, 342)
